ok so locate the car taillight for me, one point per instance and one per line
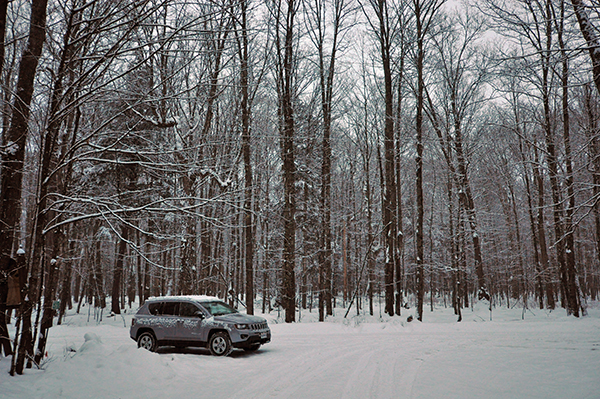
(132, 322)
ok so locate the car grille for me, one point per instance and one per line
(259, 326)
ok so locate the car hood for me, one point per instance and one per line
(239, 318)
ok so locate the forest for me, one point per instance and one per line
(374, 155)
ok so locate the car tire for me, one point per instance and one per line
(220, 344)
(252, 348)
(147, 341)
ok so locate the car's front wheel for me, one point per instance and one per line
(219, 344)
(147, 341)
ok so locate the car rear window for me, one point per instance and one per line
(154, 308)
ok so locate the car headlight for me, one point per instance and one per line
(242, 326)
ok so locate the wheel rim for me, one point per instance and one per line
(219, 345)
(146, 342)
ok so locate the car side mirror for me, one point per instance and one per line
(199, 314)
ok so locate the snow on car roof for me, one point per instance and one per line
(198, 298)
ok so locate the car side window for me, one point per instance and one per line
(187, 309)
(154, 308)
(170, 308)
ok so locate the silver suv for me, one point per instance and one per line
(199, 321)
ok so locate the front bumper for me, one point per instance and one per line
(251, 338)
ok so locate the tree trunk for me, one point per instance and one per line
(389, 158)
(7, 269)
(246, 112)
(533, 226)
(541, 230)
(140, 276)
(591, 110)
(397, 169)
(49, 296)
(420, 55)
(12, 171)
(325, 303)
(453, 244)
(370, 235)
(553, 168)
(188, 259)
(3, 10)
(466, 197)
(119, 267)
(288, 292)
(16, 137)
(26, 342)
(65, 293)
(573, 298)
(326, 75)
(589, 34)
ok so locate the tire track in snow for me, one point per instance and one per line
(336, 366)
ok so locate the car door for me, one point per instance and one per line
(191, 323)
(169, 318)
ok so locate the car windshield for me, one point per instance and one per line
(218, 308)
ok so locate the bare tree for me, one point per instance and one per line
(319, 12)
(539, 27)
(248, 235)
(385, 27)
(284, 15)
(462, 78)
(12, 160)
(569, 273)
(425, 12)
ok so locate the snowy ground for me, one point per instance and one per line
(547, 355)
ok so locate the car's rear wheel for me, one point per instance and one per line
(147, 341)
(219, 344)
